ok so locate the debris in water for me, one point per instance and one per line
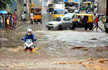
(85, 49)
(94, 39)
(77, 47)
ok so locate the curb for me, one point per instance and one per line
(17, 28)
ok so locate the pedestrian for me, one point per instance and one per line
(6, 16)
(22, 16)
(79, 19)
(88, 11)
(14, 22)
(14, 18)
(104, 21)
(32, 20)
(1, 21)
(8, 22)
(96, 23)
(13, 25)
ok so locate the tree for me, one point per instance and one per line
(3, 3)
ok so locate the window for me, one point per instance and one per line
(57, 19)
(50, 5)
(74, 17)
(66, 19)
(58, 12)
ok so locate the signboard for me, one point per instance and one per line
(65, 0)
(71, 0)
(76, 0)
(59, 6)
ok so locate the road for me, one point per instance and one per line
(55, 50)
(38, 26)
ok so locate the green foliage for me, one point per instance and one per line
(3, 3)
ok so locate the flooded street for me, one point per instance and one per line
(58, 50)
(55, 49)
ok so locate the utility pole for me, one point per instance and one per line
(25, 13)
(86, 3)
(106, 16)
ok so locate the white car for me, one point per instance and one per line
(61, 22)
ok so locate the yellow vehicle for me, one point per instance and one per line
(88, 4)
(59, 10)
(69, 4)
(36, 9)
(58, 13)
(72, 6)
(50, 8)
(82, 20)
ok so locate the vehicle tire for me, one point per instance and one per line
(59, 27)
(41, 21)
(91, 26)
(72, 27)
(86, 28)
(49, 28)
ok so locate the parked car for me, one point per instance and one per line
(61, 22)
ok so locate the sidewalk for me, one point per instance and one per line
(20, 23)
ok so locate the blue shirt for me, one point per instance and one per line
(11, 19)
(88, 10)
(29, 37)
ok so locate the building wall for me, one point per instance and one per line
(20, 8)
(102, 6)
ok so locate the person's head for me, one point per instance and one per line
(78, 16)
(1, 14)
(8, 17)
(12, 15)
(15, 9)
(29, 31)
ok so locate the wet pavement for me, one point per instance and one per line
(38, 26)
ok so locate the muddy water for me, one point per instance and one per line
(87, 39)
(59, 50)
(69, 43)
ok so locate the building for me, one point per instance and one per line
(11, 8)
(101, 7)
(107, 16)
